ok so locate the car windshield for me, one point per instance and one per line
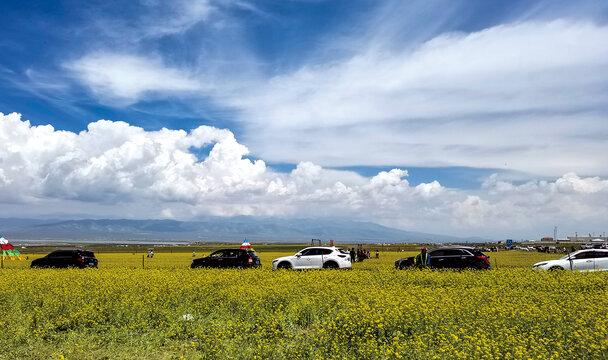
(571, 255)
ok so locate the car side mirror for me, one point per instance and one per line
(298, 255)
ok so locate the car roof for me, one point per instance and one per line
(71, 250)
(455, 247)
(319, 247)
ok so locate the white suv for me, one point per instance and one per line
(582, 260)
(314, 258)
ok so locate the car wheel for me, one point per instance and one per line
(284, 265)
(240, 267)
(330, 265)
(556, 268)
(402, 266)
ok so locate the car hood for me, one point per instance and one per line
(411, 257)
(545, 262)
(283, 258)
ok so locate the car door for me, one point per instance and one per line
(51, 259)
(316, 258)
(464, 259)
(303, 259)
(216, 259)
(231, 258)
(454, 259)
(437, 258)
(60, 259)
(326, 254)
(601, 260)
(583, 261)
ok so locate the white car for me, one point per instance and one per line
(581, 260)
(319, 257)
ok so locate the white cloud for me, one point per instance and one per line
(118, 170)
(520, 96)
(153, 19)
(526, 96)
(126, 78)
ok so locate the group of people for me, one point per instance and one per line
(361, 255)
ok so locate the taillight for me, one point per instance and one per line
(250, 260)
(485, 258)
(81, 259)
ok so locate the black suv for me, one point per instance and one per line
(229, 258)
(453, 257)
(67, 259)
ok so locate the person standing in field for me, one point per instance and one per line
(352, 255)
(423, 259)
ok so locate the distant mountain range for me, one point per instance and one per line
(215, 229)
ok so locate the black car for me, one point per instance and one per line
(229, 258)
(66, 259)
(453, 257)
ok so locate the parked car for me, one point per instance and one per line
(229, 258)
(66, 259)
(314, 258)
(453, 257)
(581, 260)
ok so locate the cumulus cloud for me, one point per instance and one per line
(118, 170)
(116, 163)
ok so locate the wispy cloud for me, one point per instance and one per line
(127, 78)
(483, 99)
(482, 91)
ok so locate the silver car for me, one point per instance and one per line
(581, 260)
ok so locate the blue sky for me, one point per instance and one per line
(467, 95)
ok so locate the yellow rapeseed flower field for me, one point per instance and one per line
(168, 311)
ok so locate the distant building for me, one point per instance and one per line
(586, 239)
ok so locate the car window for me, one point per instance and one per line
(583, 255)
(308, 252)
(231, 253)
(436, 253)
(60, 254)
(325, 251)
(598, 254)
(219, 253)
(315, 252)
(453, 252)
(88, 254)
